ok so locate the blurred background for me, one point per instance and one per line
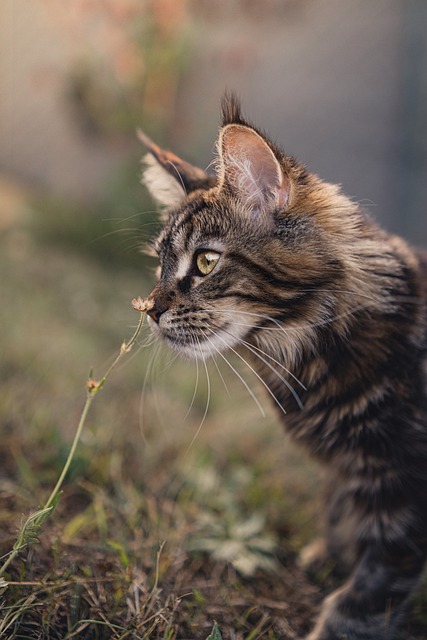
(340, 85)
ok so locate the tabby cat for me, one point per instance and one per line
(267, 257)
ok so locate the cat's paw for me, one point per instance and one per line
(340, 619)
(314, 556)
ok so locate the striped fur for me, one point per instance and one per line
(331, 311)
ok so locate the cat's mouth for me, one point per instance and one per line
(197, 341)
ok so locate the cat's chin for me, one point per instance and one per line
(199, 351)
(202, 349)
(188, 351)
(194, 345)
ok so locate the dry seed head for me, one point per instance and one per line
(143, 305)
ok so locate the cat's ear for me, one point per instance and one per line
(250, 170)
(168, 178)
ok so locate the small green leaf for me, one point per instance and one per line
(198, 596)
(215, 633)
(121, 552)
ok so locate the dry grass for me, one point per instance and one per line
(151, 538)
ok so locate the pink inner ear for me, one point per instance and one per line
(252, 169)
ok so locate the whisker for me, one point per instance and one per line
(195, 390)
(208, 382)
(125, 233)
(148, 372)
(131, 217)
(147, 342)
(267, 355)
(134, 354)
(250, 313)
(278, 323)
(179, 175)
(125, 230)
(255, 349)
(242, 380)
(270, 366)
(164, 359)
(254, 372)
(221, 376)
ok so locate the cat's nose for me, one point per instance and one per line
(161, 298)
(155, 313)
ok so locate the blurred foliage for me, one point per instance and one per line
(129, 75)
(215, 634)
(134, 73)
(229, 527)
(115, 230)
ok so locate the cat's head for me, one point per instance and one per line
(247, 254)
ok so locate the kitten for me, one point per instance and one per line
(332, 310)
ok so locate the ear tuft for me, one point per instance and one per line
(230, 109)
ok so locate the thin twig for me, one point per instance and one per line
(30, 529)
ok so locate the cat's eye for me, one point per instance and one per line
(206, 261)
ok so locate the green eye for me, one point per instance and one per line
(206, 261)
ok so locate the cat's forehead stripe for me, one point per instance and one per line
(182, 228)
(186, 222)
(175, 236)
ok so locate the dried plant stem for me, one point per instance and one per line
(50, 502)
(30, 529)
(92, 389)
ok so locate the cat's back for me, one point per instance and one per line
(421, 255)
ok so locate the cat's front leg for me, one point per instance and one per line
(372, 604)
